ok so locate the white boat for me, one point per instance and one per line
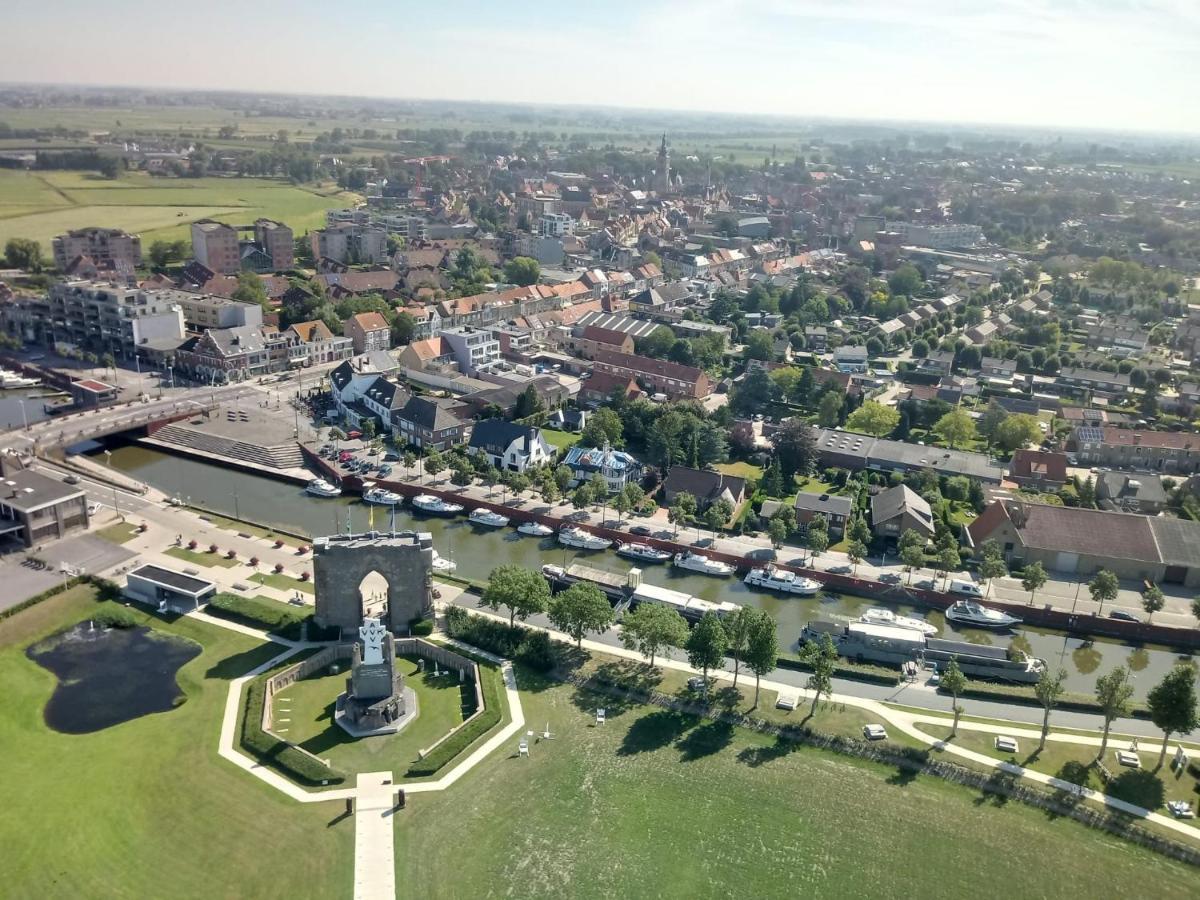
(441, 564)
(435, 505)
(773, 579)
(319, 487)
(14, 380)
(380, 497)
(580, 539)
(968, 612)
(487, 518)
(697, 562)
(643, 552)
(879, 616)
(535, 529)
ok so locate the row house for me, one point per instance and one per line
(1128, 448)
(430, 423)
(1075, 379)
(320, 345)
(656, 376)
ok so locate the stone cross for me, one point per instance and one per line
(372, 633)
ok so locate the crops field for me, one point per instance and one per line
(40, 205)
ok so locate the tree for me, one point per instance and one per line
(1033, 577)
(251, 289)
(522, 270)
(410, 460)
(1196, 607)
(873, 418)
(523, 591)
(856, 552)
(991, 565)
(1172, 704)
(762, 647)
(435, 463)
(796, 449)
(821, 658)
(816, 535)
(753, 393)
(717, 514)
(1113, 692)
(1017, 431)
(772, 480)
(403, 327)
(1153, 600)
(955, 682)
(581, 608)
(737, 631)
(683, 507)
(913, 557)
(777, 531)
(906, 281)
(1103, 586)
(651, 628)
(657, 343)
(529, 403)
(603, 428)
(955, 427)
(581, 498)
(948, 561)
(829, 409)
(634, 495)
(1049, 689)
(622, 505)
(759, 345)
(706, 645)
(161, 253)
(23, 253)
(990, 421)
(461, 471)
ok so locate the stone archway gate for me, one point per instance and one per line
(340, 562)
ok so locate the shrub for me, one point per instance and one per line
(231, 554)
(278, 568)
(213, 548)
(270, 749)
(192, 545)
(420, 627)
(446, 751)
(533, 648)
(274, 617)
(278, 543)
(304, 576)
(254, 562)
(120, 617)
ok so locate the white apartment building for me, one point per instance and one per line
(474, 350)
(556, 225)
(106, 318)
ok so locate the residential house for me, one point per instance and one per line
(1080, 380)
(509, 446)
(568, 419)
(616, 467)
(656, 376)
(319, 344)
(368, 331)
(429, 355)
(221, 355)
(592, 338)
(816, 338)
(706, 486)
(600, 387)
(850, 359)
(938, 363)
(1135, 493)
(550, 392)
(897, 509)
(108, 248)
(475, 350)
(1038, 471)
(430, 423)
(1171, 452)
(847, 450)
(835, 508)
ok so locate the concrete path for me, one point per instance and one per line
(374, 851)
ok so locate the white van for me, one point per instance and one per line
(966, 589)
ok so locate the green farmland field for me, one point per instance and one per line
(40, 205)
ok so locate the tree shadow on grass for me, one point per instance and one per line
(588, 700)
(237, 665)
(706, 740)
(1065, 799)
(758, 756)
(1139, 786)
(654, 731)
(996, 790)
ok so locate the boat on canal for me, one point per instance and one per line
(570, 536)
(976, 615)
(487, 518)
(880, 616)
(319, 487)
(535, 529)
(436, 506)
(772, 579)
(698, 562)
(642, 552)
(381, 497)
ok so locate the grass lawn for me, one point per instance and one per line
(309, 713)
(283, 582)
(118, 533)
(40, 205)
(746, 470)
(560, 440)
(200, 557)
(656, 804)
(1072, 762)
(146, 804)
(814, 486)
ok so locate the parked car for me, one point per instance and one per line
(1122, 615)
(641, 531)
(385, 471)
(354, 435)
(874, 732)
(392, 456)
(71, 479)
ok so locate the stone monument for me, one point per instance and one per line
(376, 700)
(340, 562)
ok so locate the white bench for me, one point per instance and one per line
(1128, 759)
(1007, 745)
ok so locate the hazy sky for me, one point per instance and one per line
(1107, 63)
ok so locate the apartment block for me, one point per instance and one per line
(277, 241)
(348, 243)
(107, 247)
(215, 246)
(106, 318)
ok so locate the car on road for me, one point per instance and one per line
(93, 508)
(641, 531)
(385, 471)
(1122, 616)
(71, 479)
(353, 435)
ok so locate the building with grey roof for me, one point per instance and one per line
(35, 508)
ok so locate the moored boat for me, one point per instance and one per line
(381, 497)
(428, 503)
(976, 615)
(879, 616)
(319, 487)
(698, 562)
(772, 579)
(535, 529)
(581, 540)
(642, 552)
(487, 518)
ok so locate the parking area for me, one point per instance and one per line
(355, 457)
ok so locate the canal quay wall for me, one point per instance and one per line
(1045, 616)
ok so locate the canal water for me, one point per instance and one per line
(478, 551)
(11, 403)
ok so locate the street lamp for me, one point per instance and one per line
(24, 418)
(237, 513)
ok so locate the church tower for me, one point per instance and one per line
(662, 170)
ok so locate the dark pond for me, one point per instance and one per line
(109, 676)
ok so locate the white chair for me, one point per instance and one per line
(523, 748)
(599, 717)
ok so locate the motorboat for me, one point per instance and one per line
(441, 564)
(698, 562)
(879, 616)
(643, 552)
(428, 503)
(380, 497)
(535, 529)
(772, 579)
(487, 518)
(976, 615)
(15, 380)
(578, 538)
(319, 487)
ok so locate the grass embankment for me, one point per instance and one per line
(283, 582)
(124, 811)
(120, 533)
(200, 557)
(656, 803)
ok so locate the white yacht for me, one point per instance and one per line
(535, 529)
(773, 579)
(976, 615)
(487, 518)
(16, 380)
(319, 487)
(581, 540)
(643, 552)
(435, 505)
(697, 562)
(380, 497)
(441, 564)
(879, 616)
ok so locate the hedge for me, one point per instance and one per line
(533, 648)
(274, 617)
(38, 598)
(269, 749)
(843, 669)
(1024, 694)
(447, 750)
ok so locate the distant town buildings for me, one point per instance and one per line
(107, 248)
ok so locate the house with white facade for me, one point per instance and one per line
(509, 446)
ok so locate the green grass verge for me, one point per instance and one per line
(200, 558)
(492, 683)
(87, 815)
(283, 582)
(119, 533)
